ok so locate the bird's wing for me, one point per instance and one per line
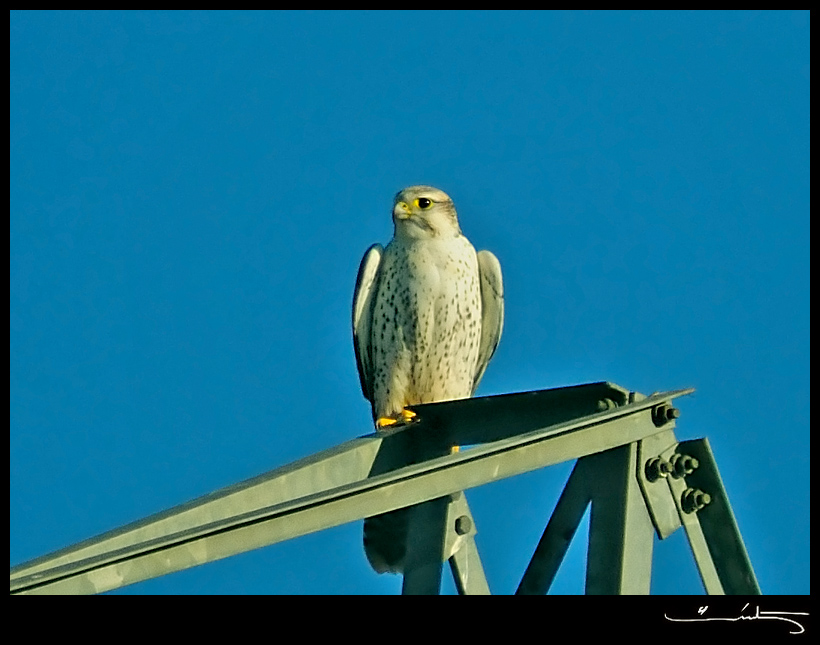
(492, 310)
(366, 286)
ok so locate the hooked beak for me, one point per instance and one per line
(401, 210)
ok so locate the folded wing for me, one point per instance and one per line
(366, 286)
(492, 310)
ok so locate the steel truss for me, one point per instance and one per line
(630, 467)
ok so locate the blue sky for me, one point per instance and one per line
(191, 194)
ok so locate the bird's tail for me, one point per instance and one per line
(385, 541)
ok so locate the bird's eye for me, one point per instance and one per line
(423, 203)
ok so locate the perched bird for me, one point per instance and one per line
(427, 317)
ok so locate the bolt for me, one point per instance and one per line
(659, 414)
(606, 404)
(683, 465)
(694, 499)
(657, 468)
(463, 525)
(663, 413)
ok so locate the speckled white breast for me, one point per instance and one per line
(426, 323)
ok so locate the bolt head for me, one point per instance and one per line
(606, 404)
(463, 525)
(656, 468)
(659, 414)
(694, 499)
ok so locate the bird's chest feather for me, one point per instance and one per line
(430, 285)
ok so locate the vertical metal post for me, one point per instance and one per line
(425, 547)
(621, 533)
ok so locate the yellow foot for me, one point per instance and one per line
(454, 450)
(404, 417)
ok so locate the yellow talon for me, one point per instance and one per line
(405, 416)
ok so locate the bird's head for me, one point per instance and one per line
(424, 212)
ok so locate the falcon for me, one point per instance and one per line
(427, 317)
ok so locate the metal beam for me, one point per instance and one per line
(425, 547)
(358, 479)
(437, 528)
(621, 534)
(619, 559)
(561, 528)
(682, 486)
(718, 546)
(465, 563)
(697, 541)
(345, 464)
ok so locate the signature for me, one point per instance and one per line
(758, 615)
